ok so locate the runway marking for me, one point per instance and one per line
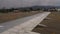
(1, 26)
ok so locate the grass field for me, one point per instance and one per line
(11, 16)
(53, 25)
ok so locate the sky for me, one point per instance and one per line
(27, 3)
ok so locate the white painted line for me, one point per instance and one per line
(1, 26)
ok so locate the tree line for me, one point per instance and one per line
(20, 9)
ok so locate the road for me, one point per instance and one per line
(10, 24)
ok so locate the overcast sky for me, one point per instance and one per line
(24, 3)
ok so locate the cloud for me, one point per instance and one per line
(24, 3)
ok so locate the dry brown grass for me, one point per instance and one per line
(11, 16)
(53, 24)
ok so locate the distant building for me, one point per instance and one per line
(52, 9)
(58, 10)
(16, 11)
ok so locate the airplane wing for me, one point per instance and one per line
(23, 25)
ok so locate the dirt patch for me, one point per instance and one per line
(53, 25)
(11, 16)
